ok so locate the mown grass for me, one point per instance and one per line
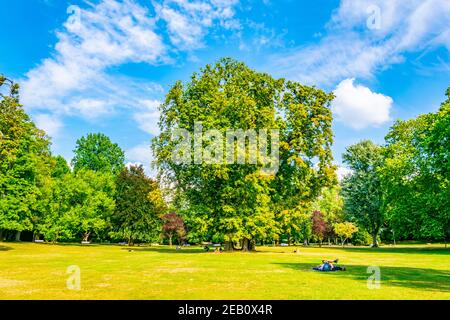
(38, 271)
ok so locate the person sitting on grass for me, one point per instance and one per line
(329, 265)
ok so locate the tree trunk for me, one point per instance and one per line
(86, 236)
(329, 242)
(248, 245)
(374, 240)
(228, 246)
(245, 244)
(1, 235)
(170, 240)
(18, 235)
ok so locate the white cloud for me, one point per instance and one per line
(257, 36)
(50, 124)
(90, 107)
(148, 117)
(141, 155)
(183, 34)
(75, 80)
(188, 21)
(358, 107)
(351, 49)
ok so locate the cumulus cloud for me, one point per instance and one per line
(358, 107)
(354, 46)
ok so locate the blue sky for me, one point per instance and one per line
(104, 65)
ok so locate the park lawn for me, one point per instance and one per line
(38, 271)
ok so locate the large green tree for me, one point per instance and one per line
(239, 203)
(437, 147)
(416, 175)
(60, 167)
(96, 152)
(362, 189)
(24, 161)
(76, 206)
(139, 206)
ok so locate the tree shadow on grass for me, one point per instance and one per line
(420, 250)
(166, 250)
(289, 250)
(68, 244)
(415, 278)
(5, 248)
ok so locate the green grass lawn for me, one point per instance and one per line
(38, 271)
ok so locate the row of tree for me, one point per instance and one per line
(98, 198)
(399, 189)
(401, 186)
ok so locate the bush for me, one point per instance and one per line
(362, 238)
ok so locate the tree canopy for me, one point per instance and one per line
(416, 175)
(362, 189)
(139, 206)
(24, 161)
(242, 158)
(96, 152)
(240, 202)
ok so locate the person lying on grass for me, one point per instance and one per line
(329, 265)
